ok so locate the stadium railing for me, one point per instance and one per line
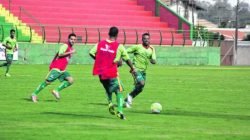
(91, 35)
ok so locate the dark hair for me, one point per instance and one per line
(12, 30)
(145, 34)
(72, 34)
(113, 31)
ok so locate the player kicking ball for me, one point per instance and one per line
(107, 55)
(143, 54)
(58, 69)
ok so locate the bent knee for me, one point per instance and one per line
(141, 84)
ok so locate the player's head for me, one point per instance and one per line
(113, 32)
(72, 38)
(145, 39)
(12, 33)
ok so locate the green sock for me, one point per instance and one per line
(8, 68)
(39, 88)
(119, 99)
(63, 85)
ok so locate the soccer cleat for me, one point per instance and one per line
(56, 94)
(111, 108)
(128, 101)
(7, 75)
(127, 105)
(34, 98)
(120, 115)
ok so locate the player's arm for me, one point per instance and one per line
(62, 51)
(131, 49)
(5, 44)
(16, 47)
(93, 51)
(122, 54)
(153, 57)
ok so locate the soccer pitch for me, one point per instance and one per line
(199, 102)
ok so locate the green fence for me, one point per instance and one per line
(44, 53)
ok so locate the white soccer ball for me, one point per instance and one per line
(156, 108)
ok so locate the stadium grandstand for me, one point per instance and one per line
(50, 21)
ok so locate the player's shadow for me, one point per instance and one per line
(28, 99)
(52, 100)
(75, 115)
(99, 104)
(198, 114)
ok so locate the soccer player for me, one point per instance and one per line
(58, 69)
(143, 54)
(10, 45)
(107, 55)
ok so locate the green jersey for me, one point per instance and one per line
(142, 56)
(11, 43)
(120, 53)
(63, 49)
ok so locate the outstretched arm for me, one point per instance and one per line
(92, 52)
(123, 55)
(132, 68)
(65, 54)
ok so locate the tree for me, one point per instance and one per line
(243, 14)
(219, 13)
(222, 13)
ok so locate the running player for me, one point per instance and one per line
(58, 69)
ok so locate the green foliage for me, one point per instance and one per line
(202, 33)
(198, 103)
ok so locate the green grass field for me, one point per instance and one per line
(199, 103)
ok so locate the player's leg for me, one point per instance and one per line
(140, 79)
(51, 76)
(9, 58)
(117, 87)
(66, 80)
(106, 85)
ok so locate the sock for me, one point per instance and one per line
(119, 99)
(138, 89)
(39, 88)
(63, 85)
(8, 68)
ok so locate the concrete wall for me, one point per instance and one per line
(227, 53)
(243, 54)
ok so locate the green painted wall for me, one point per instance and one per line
(44, 53)
(188, 55)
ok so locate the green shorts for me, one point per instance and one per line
(140, 76)
(9, 58)
(55, 74)
(112, 85)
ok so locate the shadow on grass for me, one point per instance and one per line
(197, 114)
(102, 104)
(99, 104)
(76, 115)
(28, 99)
